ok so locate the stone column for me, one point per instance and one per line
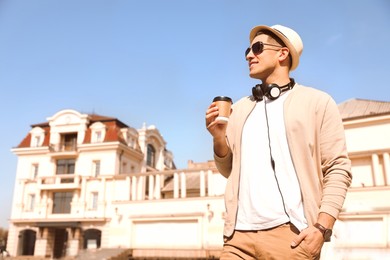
(202, 182)
(133, 188)
(41, 243)
(183, 185)
(157, 186)
(386, 164)
(378, 177)
(73, 241)
(175, 185)
(151, 187)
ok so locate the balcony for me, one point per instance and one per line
(60, 182)
(169, 184)
(64, 149)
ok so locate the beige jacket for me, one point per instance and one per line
(317, 145)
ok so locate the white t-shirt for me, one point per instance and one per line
(268, 198)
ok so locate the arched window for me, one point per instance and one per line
(92, 238)
(151, 156)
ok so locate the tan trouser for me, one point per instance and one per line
(272, 243)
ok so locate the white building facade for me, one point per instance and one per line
(88, 182)
(363, 230)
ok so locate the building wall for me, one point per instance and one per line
(363, 231)
(367, 134)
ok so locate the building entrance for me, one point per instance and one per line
(60, 242)
(27, 242)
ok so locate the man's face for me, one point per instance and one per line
(262, 64)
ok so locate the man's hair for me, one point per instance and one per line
(273, 36)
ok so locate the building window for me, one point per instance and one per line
(98, 136)
(132, 143)
(98, 132)
(66, 166)
(36, 141)
(62, 202)
(124, 168)
(69, 142)
(96, 168)
(37, 137)
(151, 156)
(167, 162)
(94, 200)
(34, 170)
(31, 202)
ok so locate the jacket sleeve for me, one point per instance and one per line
(224, 164)
(335, 164)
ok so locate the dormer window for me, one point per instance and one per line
(37, 136)
(130, 135)
(69, 142)
(98, 130)
(36, 141)
(132, 143)
(98, 136)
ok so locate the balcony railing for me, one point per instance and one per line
(58, 182)
(146, 186)
(173, 184)
(64, 147)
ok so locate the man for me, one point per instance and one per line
(284, 154)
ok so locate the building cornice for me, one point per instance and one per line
(366, 120)
(30, 150)
(53, 222)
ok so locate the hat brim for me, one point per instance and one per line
(293, 52)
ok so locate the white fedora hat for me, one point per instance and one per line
(290, 38)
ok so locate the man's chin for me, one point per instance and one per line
(254, 76)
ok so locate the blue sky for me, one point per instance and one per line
(162, 62)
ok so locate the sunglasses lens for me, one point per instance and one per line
(247, 51)
(256, 48)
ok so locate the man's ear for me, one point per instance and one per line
(283, 54)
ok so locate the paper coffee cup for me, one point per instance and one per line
(224, 105)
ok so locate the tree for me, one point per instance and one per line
(3, 239)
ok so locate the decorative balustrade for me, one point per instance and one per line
(145, 186)
(173, 184)
(58, 182)
(63, 147)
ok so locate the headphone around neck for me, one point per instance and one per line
(271, 91)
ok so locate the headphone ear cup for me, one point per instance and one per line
(257, 92)
(273, 91)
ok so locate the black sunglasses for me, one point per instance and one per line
(258, 48)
